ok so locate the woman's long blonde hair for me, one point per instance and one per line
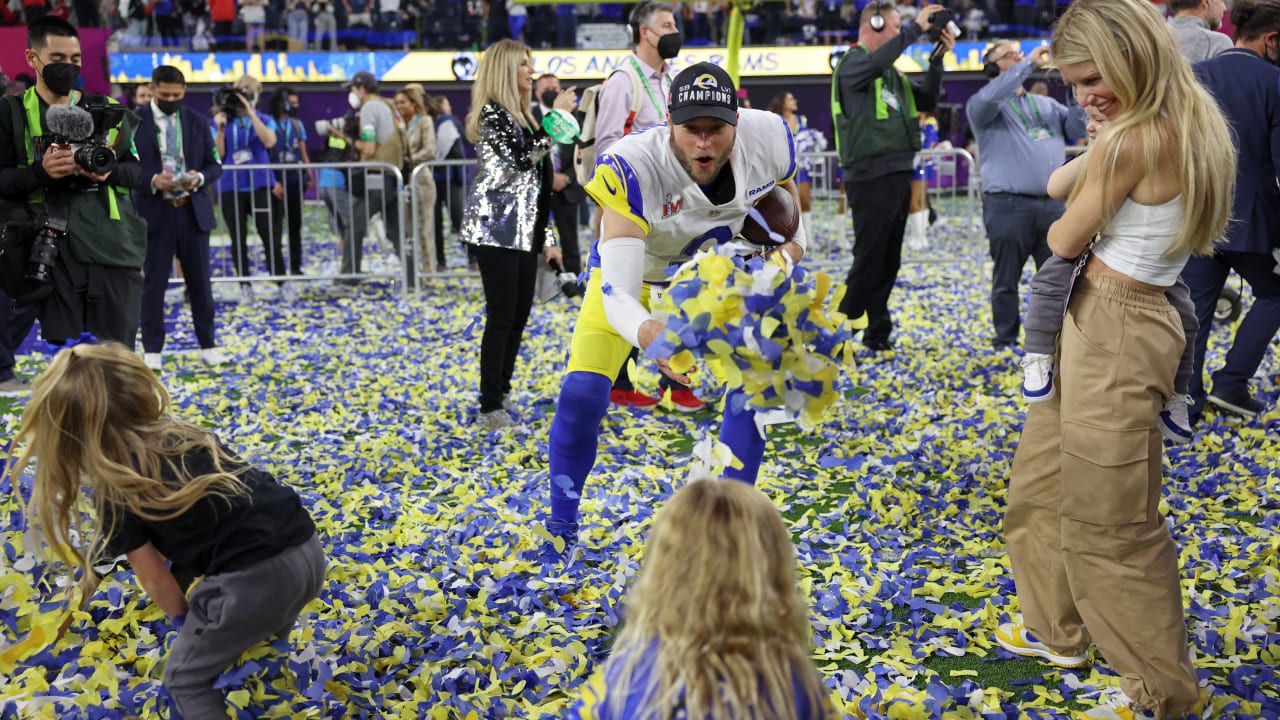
(717, 594)
(497, 81)
(1163, 108)
(98, 414)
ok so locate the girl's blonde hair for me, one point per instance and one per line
(497, 81)
(417, 97)
(1162, 108)
(717, 594)
(99, 414)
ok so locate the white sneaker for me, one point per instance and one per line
(152, 360)
(246, 294)
(495, 419)
(1175, 423)
(1038, 370)
(214, 356)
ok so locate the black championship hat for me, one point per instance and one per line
(703, 90)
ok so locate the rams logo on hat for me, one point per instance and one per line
(707, 82)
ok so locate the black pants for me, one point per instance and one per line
(1017, 229)
(15, 325)
(1206, 277)
(372, 200)
(452, 195)
(177, 235)
(104, 301)
(236, 209)
(224, 37)
(508, 277)
(566, 217)
(880, 208)
(288, 213)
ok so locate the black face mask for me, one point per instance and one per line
(669, 45)
(549, 98)
(60, 78)
(168, 107)
(292, 110)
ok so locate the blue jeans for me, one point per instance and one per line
(298, 25)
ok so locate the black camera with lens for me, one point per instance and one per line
(50, 232)
(567, 281)
(84, 131)
(227, 99)
(938, 21)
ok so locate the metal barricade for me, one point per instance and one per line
(244, 196)
(950, 191)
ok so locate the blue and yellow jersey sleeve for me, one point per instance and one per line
(592, 703)
(616, 186)
(789, 168)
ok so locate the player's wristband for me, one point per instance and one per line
(622, 273)
(800, 238)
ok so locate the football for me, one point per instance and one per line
(774, 220)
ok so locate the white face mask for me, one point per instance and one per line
(353, 100)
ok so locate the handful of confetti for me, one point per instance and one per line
(770, 323)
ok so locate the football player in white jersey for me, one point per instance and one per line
(666, 192)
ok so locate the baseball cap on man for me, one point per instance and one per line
(703, 90)
(364, 79)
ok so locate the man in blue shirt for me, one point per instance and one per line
(243, 136)
(1022, 139)
(1246, 83)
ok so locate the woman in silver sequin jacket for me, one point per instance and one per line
(506, 214)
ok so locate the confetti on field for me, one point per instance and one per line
(771, 326)
(434, 606)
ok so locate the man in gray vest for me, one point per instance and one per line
(1195, 24)
(875, 108)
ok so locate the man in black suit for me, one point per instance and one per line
(566, 193)
(1246, 83)
(178, 165)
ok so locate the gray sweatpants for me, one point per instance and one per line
(1049, 289)
(231, 612)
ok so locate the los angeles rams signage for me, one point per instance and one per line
(571, 65)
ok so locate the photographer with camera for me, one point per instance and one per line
(66, 169)
(243, 137)
(378, 139)
(877, 134)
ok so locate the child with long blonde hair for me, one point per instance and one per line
(715, 625)
(162, 489)
(1090, 550)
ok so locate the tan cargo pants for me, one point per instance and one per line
(1090, 550)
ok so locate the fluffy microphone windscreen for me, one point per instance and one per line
(70, 122)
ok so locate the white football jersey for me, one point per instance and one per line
(641, 179)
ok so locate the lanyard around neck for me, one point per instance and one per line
(1025, 120)
(648, 88)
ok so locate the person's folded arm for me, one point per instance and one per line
(857, 73)
(1087, 214)
(984, 107)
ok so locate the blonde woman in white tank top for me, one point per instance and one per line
(1090, 551)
